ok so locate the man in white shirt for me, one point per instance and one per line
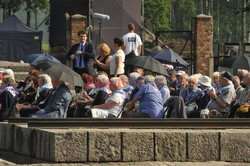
(132, 41)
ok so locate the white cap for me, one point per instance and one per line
(2, 70)
(180, 72)
(9, 72)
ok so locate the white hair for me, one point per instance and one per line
(103, 79)
(193, 78)
(161, 79)
(45, 78)
(117, 82)
(149, 78)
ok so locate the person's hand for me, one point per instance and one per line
(72, 57)
(96, 62)
(84, 93)
(19, 106)
(78, 52)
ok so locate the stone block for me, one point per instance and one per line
(104, 146)
(138, 146)
(68, 146)
(235, 146)
(3, 135)
(18, 139)
(26, 142)
(9, 139)
(170, 146)
(203, 146)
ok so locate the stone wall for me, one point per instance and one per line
(123, 145)
(74, 24)
(204, 45)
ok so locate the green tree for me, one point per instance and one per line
(183, 12)
(34, 6)
(157, 12)
(9, 7)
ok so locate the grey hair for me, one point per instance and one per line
(161, 79)
(45, 78)
(236, 79)
(104, 79)
(149, 78)
(193, 78)
(117, 82)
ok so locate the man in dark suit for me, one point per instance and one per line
(58, 103)
(81, 53)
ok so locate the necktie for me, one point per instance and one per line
(80, 61)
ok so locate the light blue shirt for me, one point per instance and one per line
(150, 101)
(165, 93)
(79, 59)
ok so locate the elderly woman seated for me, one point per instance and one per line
(44, 92)
(8, 97)
(113, 104)
(151, 105)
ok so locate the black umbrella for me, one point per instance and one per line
(61, 72)
(148, 63)
(169, 57)
(33, 59)
(30, 57)
(237, 62)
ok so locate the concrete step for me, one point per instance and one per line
(15, 66)
(20, 76)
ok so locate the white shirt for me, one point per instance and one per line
(113, 64)
(131, 41)
(115, 110)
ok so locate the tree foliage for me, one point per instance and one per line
(157, 12)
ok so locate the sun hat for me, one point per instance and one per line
(205, 80)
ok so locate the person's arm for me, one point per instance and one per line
(218, 100)
(131, 104)
(118, 64)
(105, 65)
(107, 105)
(71, 54)
(139, 50)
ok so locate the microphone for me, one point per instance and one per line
(89, 28)
(101, 16)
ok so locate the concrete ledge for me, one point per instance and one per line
(124, 145)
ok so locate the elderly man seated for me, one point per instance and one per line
(151, 105)
(113, 104)
(243, 100)
(58, 103)
(161, 83)
(190, 94)
(219, 105)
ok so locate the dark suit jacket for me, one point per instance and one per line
(7, 102)
(89, 52)
(58, 103)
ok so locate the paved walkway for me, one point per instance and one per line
(7, 163)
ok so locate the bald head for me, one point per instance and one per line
(246, 79)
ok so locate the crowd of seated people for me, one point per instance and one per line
(110, 93)
(132, 96)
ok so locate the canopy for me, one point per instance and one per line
(17, 39)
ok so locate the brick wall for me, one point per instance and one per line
(74, 24)
(204, 44)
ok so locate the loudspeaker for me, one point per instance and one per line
(58, 8)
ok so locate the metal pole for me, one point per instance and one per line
(218, 21)
(100, 30)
